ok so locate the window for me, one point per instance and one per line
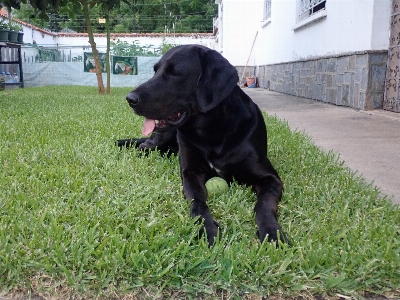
(310, 7)
(267, 9)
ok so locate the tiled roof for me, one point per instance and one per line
(3, 12)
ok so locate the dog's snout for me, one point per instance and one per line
(133, 98)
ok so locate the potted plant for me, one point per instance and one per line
(4, 30)
(13, 33)
(20, 30)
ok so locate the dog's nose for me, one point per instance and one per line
(133, 98)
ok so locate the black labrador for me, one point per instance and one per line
(194, 103)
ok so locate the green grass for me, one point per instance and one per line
(79, 217)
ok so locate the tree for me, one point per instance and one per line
(107, 6)
(85, 7)
(137, 16)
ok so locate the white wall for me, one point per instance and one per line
(40, 37)
(73, 45)
(381, 24)
(143, 39)
(240, 22)
(349, 26)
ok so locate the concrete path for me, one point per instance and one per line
(368, 141)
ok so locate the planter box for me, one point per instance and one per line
(20, 38)
(4, 35)
(13, 36)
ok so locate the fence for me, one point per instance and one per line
(56, 65)
(71, 73)
(66, 53)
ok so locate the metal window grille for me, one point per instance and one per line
(309, 7)
(267, 9)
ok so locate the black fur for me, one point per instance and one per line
(219, 129)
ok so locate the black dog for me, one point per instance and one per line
(194, 100)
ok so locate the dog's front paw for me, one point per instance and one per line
(273, 234)
(124, 143)
(146, 146)
(212, 230)
(130, 143)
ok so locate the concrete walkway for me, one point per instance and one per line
(368, 141)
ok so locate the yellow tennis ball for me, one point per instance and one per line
(216, 185)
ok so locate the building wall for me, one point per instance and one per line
(38, 36)
(338, 58)
(355, 80)
(349, 26)
(240, 22)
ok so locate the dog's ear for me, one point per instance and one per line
(216, 81)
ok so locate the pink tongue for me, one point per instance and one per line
(148, 126)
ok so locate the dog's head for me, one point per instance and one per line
(188, 79)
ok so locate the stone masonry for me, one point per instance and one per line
(392, 96)
(355, 80)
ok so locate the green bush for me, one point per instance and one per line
(123, 48)
(4, 25)
(15, 27)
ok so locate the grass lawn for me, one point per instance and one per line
(79, 217)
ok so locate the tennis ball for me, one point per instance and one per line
(216, 185)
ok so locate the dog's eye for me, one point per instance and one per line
(176, 73)
(171, 71)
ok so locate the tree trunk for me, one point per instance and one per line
(94, 49)
(108, 51)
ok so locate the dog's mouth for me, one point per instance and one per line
(173, 120)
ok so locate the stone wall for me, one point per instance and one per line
(392, 97)
(356, 80)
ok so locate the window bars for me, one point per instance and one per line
(309, 7)
(267, 9)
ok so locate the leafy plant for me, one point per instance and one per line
(123, 48)
(165, 46)
(15, 27)
(119, 28)
(4, 25)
